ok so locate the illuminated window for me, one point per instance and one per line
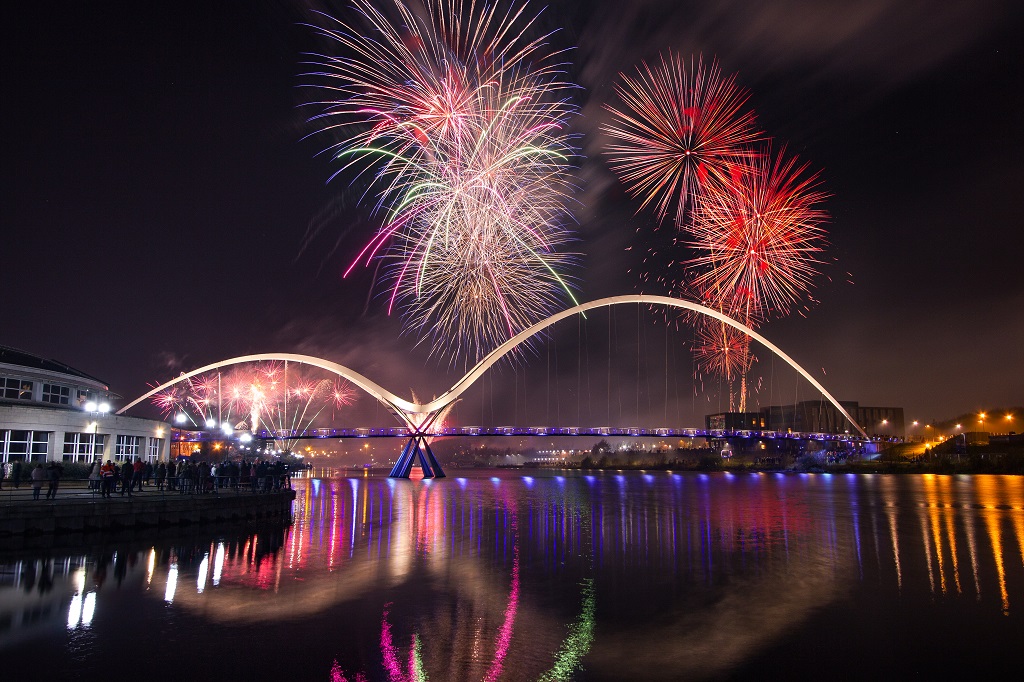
(127, 448)
(83, 447)
(27, 446)
(153, 449)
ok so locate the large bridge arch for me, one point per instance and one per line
(498, 353)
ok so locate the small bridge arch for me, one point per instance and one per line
(399, 406)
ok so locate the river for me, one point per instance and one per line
(544, 575)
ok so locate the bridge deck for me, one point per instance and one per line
(628, 431)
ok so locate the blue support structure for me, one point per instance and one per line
(417, 448)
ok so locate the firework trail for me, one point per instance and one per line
(682, 131)
(458, 118)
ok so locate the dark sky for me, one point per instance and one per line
(157, 194)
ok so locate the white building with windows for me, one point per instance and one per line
(52, 412)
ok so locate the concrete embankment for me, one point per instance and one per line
(84, 513)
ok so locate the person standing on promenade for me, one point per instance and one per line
(54, 469)
(16, 473)
(3, 473)
(107, 478)
(171, 474)
(95, 477)
(38, 476)
(127, 471)
(161, 476)
(137, 471)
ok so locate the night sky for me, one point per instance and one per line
(161, 210)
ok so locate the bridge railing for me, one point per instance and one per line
(598, 431)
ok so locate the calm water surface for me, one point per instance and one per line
(506, 576)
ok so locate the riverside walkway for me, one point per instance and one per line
(79, 509)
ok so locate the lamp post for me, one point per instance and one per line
(97, 409)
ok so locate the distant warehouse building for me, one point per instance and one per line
(52, 412)
(812, 416)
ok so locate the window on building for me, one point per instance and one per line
(127, 448)
(17, 444)
(58, 395)
(27, 446)
(15, 389)
(39, 447)
(153, 450)
(83, 447)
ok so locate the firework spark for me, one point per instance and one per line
(460, 120)
(722, 350)
(683, 130)
(759, 242)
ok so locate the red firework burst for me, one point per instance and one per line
(683, 129)
(722, 350)
(759, 240)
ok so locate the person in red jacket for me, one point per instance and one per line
(107, 479)
(137, 470)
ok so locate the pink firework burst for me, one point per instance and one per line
(683, 129)
(342, 394)
(759, 241)
(169, 400)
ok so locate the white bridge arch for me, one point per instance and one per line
(419, 416)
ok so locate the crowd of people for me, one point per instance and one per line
(48, 473)
(187, 477)
(184, 477)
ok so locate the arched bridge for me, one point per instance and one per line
(419, 418)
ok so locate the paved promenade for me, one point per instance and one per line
(79, 509)
(78, 490)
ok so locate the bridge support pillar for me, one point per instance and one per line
(417, 448)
